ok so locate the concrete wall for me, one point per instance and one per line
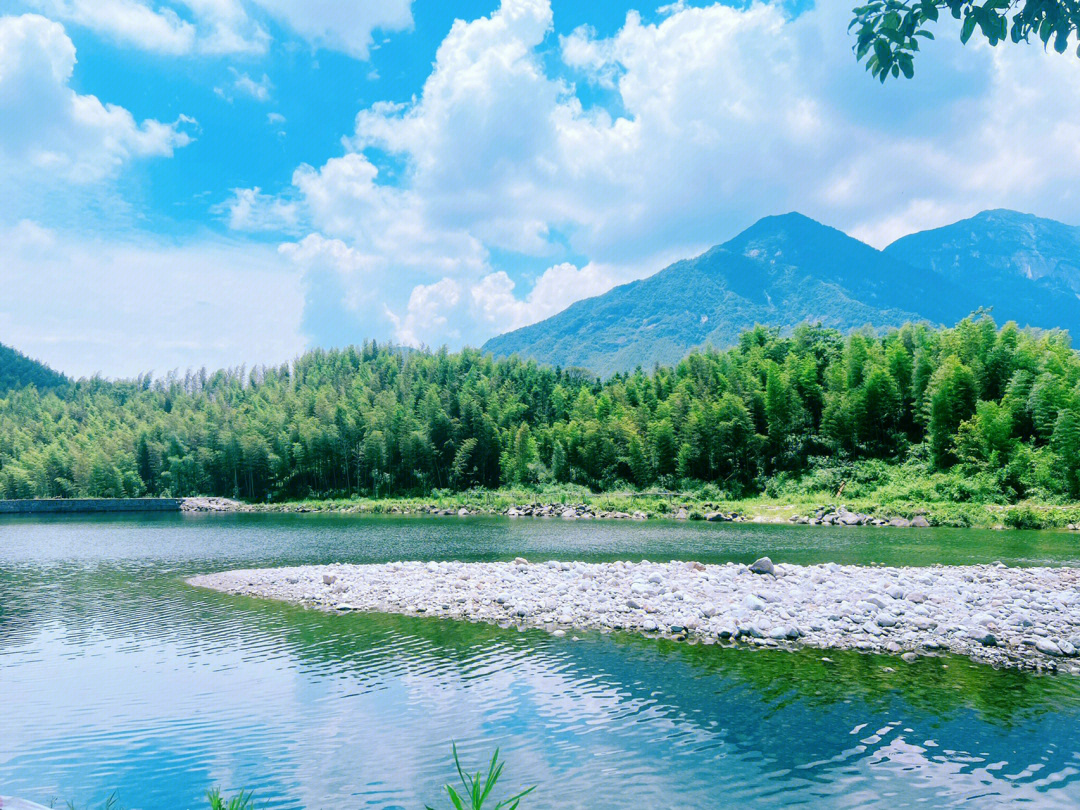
(45, 506)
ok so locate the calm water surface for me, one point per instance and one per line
(114, 675)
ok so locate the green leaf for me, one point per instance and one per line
(883, 53)
(968, 28)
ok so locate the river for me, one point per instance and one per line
(117, 676)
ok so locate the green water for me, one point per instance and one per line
(114, 675)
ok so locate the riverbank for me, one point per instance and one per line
(1010, 617)
(581, 504)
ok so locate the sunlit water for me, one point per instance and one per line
(115, 675)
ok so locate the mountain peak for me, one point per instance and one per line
(789, 269)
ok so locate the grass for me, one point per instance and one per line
(938, 501)
(477, 792)
(242, 801)
(478, 788)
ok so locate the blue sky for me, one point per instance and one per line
(211, 182)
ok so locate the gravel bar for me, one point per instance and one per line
(1014, 617)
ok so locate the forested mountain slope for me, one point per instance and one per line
(1001, 408)
(18, 370)
(782, 271)
(1026, 268)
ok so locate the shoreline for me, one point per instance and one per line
(637, 506)
(1027, 618)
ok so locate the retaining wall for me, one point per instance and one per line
(53, 505)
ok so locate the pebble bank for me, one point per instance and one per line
(1011, 617)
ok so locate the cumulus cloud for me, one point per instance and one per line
(344, 199)
(232, 26)
(557, 288)
(139, 305)
(426, 315)
(707, 119)
(49, 130)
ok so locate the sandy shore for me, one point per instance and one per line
(1019, 617)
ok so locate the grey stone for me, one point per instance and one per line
(1047, 647)
(763, 565)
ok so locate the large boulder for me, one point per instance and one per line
(920, 522)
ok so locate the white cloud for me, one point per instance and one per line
(49, 130)
(341, 26)
(185, 27)
(708, 119)
(426, 316)
(556, 289)
(316, 249)
(251, 210)
(243, 84)
(344, 200)
(180, 27)
(142, 305)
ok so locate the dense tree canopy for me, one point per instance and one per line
(375, 420)
(888, 31)
(18, 370)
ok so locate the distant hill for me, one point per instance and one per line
(1025, 267)
(17, 370)
(782, 271)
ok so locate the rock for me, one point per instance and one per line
(763, 565)
(958, 609)
(910, 657)
(900, 523)
(462, 512)
(640, 516)
(1047, 647)
(847, 518)
(983, 636)
(919, 522)
(682, 514)
(753, 602)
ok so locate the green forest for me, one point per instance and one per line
(982, 413)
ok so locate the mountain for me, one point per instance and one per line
(782, 271)
(17, 370)
(1025, 267)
